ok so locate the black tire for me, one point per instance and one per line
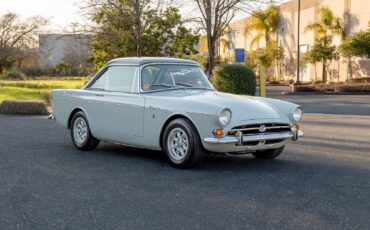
(193, 154)
(268, 153)
(88, 143)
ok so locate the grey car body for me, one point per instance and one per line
(139, 118)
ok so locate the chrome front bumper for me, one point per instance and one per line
(240, 139)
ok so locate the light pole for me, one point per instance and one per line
(298, 33)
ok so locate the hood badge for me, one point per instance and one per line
(262, 129)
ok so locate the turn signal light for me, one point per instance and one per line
(298, 127)
(218, 132)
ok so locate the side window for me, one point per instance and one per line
(121, 78)
(101, 82)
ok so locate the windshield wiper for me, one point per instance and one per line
(164, 85)
(184, 84)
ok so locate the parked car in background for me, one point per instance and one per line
(169, 104)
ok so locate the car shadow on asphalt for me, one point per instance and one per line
(128, 151)
(211, 161)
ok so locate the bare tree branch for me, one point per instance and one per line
(216, 16)
(18, 37)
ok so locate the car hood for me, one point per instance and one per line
(242, 107)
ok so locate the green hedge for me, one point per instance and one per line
(14, 74)
(236, 79)
(336, 88)
(352, 88)
(23, 107)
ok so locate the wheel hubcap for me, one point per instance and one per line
(80, 130)
(178, 144)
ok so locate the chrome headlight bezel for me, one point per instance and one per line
(224, 117)
(297, 115)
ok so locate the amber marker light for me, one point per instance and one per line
(298, 126)
(218, 132)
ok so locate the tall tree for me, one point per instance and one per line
(357, 45)
(265, 23)
(215, 17)
(325, 29)
(166, 35)
(322, 51)
(17, 38)
(328, 24)
(162, 31)
(131, 14)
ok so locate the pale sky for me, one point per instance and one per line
(60, 12)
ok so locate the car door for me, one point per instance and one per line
(116, 112)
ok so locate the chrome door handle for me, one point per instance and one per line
(99, 95)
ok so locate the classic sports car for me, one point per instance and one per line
(169, 104)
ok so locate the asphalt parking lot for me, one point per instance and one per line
(320, 182)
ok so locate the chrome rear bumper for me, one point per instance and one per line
(240, 139)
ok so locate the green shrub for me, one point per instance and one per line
(62, 69)
(235, 79)
(308, 88)
(35, 71)
(311, 88)
(23, 107)
(14, 74)
(355, 88)
(274, 82)
(82, 71)
(360, 80)
(336, 88)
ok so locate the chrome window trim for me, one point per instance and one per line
(95, 78)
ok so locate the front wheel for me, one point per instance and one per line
(81, 134)
(268, 153)
(181, 144)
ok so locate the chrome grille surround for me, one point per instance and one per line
(254, 128)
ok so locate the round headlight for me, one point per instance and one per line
(224, 117)
(297, 115)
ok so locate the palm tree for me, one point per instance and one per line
(329, 25)
(222, 45)
(265, 23)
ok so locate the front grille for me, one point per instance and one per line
(251, 143)
(254, 128)
(270, 142)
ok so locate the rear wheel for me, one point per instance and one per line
(181, 144)
(268, 153)
(81, 134)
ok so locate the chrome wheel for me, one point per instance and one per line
(80, 131)
(178, 144)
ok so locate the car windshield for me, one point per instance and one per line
(161, 77)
